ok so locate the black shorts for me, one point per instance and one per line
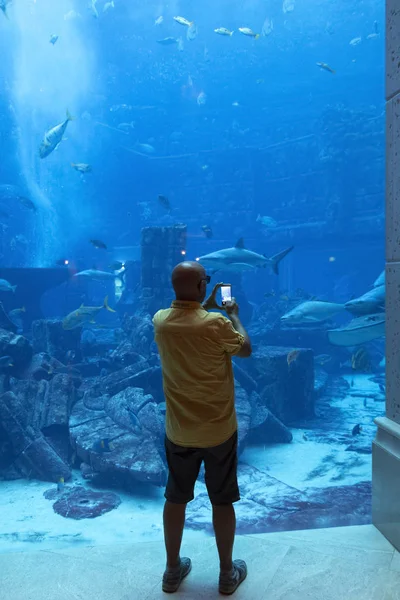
(220, 463)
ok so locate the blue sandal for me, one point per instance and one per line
(172, 578)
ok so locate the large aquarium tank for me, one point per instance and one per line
(135, 135)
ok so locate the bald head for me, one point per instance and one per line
(188, 281)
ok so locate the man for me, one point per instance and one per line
(195, 348)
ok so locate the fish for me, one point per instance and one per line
(369, 303)
(355, 41)
(10, 193)
(116, 265)
(134, 419)
(380, 280)
(357, 429)
(292, 356)
(168, 41)
(312, 312)
(53, 137)
(84, 314)
(159, 21)
(191, 33)
(60, 484)
(372, 36)
(267, 27)
(382, 388)
(288, 6)
(360, 361)
(126, 126)
(224, 31)
(183, 21)
(15, 316)
(20, 239)
(103, 445)
(27, 203)
(146, 148)
(108, 5)
(249, 32)
(238, 259)
(93, 8)
(305, 438)
(270, 294)
(5, 286)
(284, 297)
(98, 244)
(3, 6)
(6, 361)
(81, 167)
(181, 45)
(53, 39)
(97, 275)
(322, 359)
(326, 67)
(163, 200)
(376, 29)
(267, 221)
(201, 99)
(72, 14)
(207, 231)
(358, 331)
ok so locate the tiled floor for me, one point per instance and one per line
(352, 563)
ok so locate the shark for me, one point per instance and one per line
(372, 301)
(312, 311)
(238, 259)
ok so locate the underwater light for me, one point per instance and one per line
(198, 258)
(66, 262)
(332, 259)
(183, 252)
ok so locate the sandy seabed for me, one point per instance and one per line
(28, 522)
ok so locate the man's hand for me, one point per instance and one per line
(211, 301)
(232, 308)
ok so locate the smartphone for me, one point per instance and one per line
(226, 293)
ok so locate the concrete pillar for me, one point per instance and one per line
(386, 447)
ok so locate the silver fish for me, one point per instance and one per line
(5, 286)
(53, 137)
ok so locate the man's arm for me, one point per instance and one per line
(232, 310)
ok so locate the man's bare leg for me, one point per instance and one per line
(174, 522)
(224, 522)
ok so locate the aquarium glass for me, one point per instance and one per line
(137, 134)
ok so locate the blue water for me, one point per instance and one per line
(227, 128)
